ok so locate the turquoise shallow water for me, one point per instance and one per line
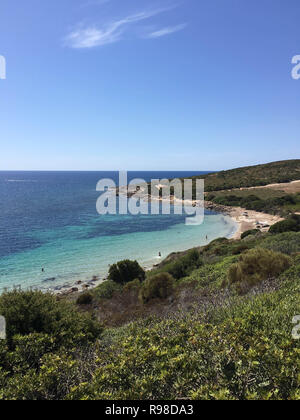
(49, 220)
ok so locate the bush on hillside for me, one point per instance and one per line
(85, 299)
(286, 243)
(132, 285)
(185, 265)
(239, 249)
(181, 266)
(35, 312)
(125, 271)
(291, 224)
(106, 290)
(255, 266)
(249, 232)
(157, 287)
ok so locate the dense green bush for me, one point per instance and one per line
(249, 232)
(182, 266)
(106, 290)
(85, 299)
(255, 266)
(286, 243)
(291, 224)
(159, 286)
(36, 312)
(125, 271)
(185, 265)
(132, 285)
(239, 249)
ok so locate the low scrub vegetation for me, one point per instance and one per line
(191, 337)
(265, 200)
(255, 266)
(159, 286)
(253, 176)
(106, 290)
(182, 266)
(291, 224)
(250, 232)
(85, 299)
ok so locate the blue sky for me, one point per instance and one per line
(148, 85)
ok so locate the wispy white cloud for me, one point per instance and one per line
(167, 31)
(95, 36)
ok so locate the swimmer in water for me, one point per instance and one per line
(43, 270)
(159, 254)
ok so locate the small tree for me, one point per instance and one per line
(125, 271)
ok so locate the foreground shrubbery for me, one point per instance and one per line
(244, 352)
(235, 347)
(38, 313)
(44, 337)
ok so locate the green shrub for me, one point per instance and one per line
(291, 224)
(255, 266)
(218, 247)
(125, 271)
(106, 290)
(35, 312)
(85, 299)
(249, 232)
(185, 265)
(182, 266)
(160, 286)
(239, 249)
(286, 243)
(132, 285)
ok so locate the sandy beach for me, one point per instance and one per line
(249, 219)
(245, 219)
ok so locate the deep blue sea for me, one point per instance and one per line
(49, 220)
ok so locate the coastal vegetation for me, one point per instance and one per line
(261, 200)
(159, 286)
(253, 176)
(292, 223)
(125, 271)
(196, 335)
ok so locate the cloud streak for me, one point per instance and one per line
(91, 36)
(167, 31)
(94, 36)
